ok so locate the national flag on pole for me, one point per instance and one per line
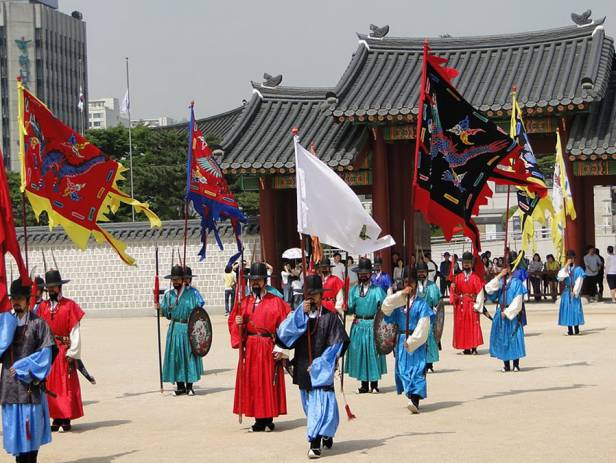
(81, 103)
(8, 242)
(125, 105)
(328, 208)
(208, 190)
(458, 150)
(532, 206)
(562, 202)
(70, 179)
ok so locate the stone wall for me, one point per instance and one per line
(101, 281)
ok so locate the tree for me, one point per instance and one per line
(16, 200)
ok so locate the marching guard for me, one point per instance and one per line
(26, 354)
(63, 315)
(466, 325)
(429, 292)
(181, 366)
(319, 339)
(412, 316)
(363, 362)
(333, 287)
(571, 312)
(507, 333)
(259, 387)
(380, 278)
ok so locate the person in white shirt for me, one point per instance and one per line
(338, 268)
(592, 266)
(610, 272)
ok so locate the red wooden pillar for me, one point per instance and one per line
(396, 202)
(574, 229)
(267, 223)
(380, 190)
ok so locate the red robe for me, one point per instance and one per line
(331, 286)
(260, 398)
(466, 325)
(63, 379)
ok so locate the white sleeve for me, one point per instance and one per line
(74, 351)
(515, 307)
(285, 352)
(577, 288)
(339, 300)
(392, 302)
(563, 273)
(493, 285)
(419, 336)
(479, 301)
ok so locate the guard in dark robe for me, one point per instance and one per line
(25, 351)
(319, 339)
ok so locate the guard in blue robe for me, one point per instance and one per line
(411, 351)
(379, 277)
(507, 333)
(26, 354)
(571, 313)
(363, 362)
(180, 366)
(429, 292)
(314, 362)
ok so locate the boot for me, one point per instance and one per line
(474, 351)
(259, 425)
(181, 389)
(189, 389)
(363, 389)
(374, 387)
(577, 329)
(55, 425)
(569, 330)
(429, 367)
(506, 366)
(516, 365)
(314, 452)
(467, 352)
(269, 424)
(328, 442)
(413, 404)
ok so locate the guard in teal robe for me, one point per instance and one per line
(571, 312)
(363, 362)
(429, 292)
(180, 366)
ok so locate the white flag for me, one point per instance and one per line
(80, 105)
(125, 106)
(328, 208)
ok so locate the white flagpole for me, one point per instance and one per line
(130, 139)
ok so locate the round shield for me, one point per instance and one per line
(200, 332)
(385, 334)
(440, 321)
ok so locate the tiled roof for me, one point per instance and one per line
(132, 231)
(548, 68)
(214, 126)
(261, 137)
(595, 133)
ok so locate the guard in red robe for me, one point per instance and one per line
(333, 287)
(259, 386)
(466, 326)
(63, 316)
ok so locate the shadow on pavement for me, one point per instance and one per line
(527, 391)
(584, 332)
(216, 371)
(530, 335)
(291, 424)
(85, 427)
(212, 390)
(432, 407)
(106, 459)
(128, 395)
(349, 446)
(566, 365)
(89, 402)
(444, 370)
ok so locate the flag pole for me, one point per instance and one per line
(130, 140)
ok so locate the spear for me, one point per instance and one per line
(349, 413)
(157, 304)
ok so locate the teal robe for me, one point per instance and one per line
(432, 295)
(363, 361)
(180, 365)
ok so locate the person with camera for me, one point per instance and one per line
(571, 313)
(412, 315)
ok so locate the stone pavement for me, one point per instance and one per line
(561, 406)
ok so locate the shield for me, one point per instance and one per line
(385, 334)
(200, 332)
(440, 321)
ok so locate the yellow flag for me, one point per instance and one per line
(562, 202)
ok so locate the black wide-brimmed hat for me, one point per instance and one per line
(19, 290)
(421, 266)
(570, 254)
(40, 283)
(467, 256)
(53, 278)
(177, 271)
(325, 262)
(378, 260)
(258, 271)
(314, 284)
(188, 272)
(364, 266)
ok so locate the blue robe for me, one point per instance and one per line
(319, 402)
(383, 281)
(571, 312)
(410, 367)
(363, 362)
(432, 295)
(507, 336)
(180, 364)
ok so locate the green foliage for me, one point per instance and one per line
(16, 200)
(546, 165)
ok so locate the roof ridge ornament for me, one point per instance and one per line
(271, 81)
(377, 32)
(583, 19)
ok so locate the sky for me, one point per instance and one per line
(209, 51)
